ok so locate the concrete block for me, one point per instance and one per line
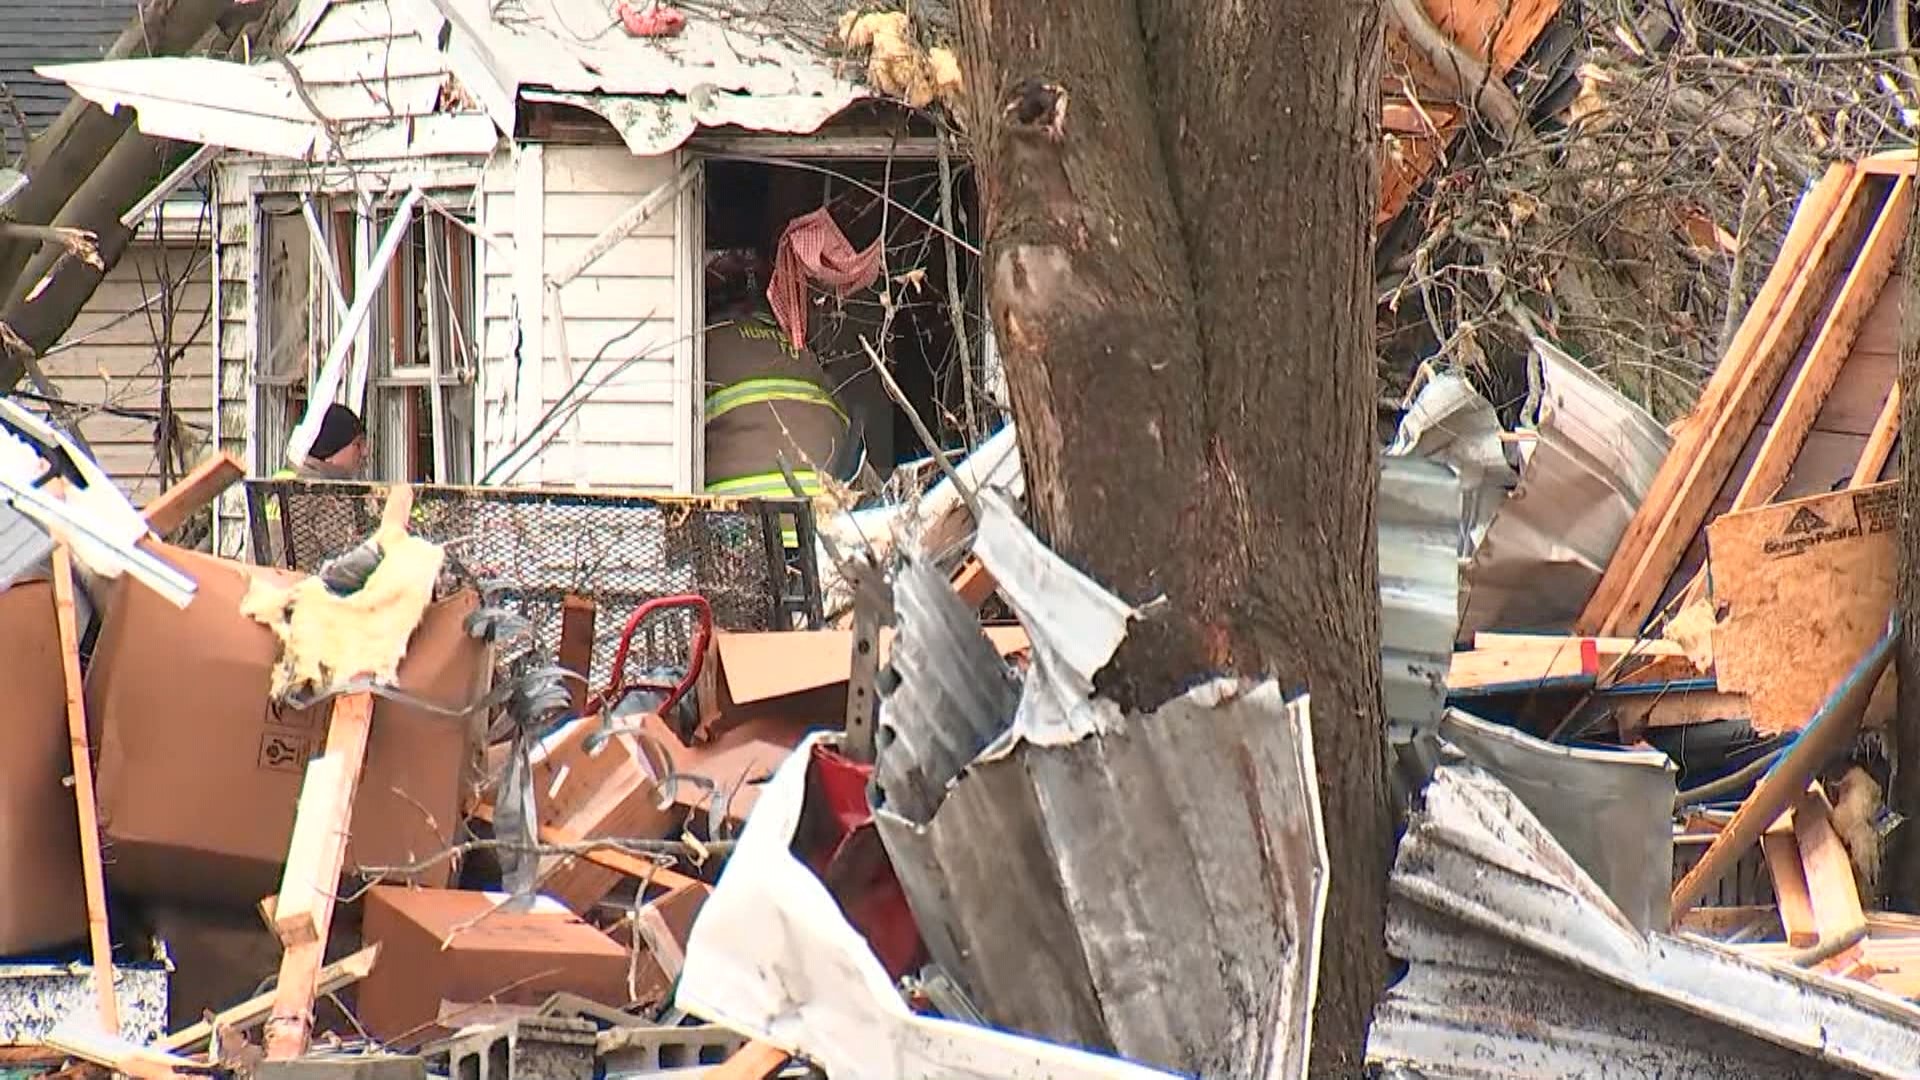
(531, 1048)
(654, 1049)
(345, 1067)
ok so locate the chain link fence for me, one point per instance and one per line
(536, 547)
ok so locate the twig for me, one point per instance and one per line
(899, 397)
(692, 853)
(956, 304)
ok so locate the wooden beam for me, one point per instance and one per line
(119, 1055)
(1790, 889)
(577, 615)
(314, 858)
(1705, 447)
(99, 934)
(1830, 882)
(1827, 356)
(754, 1061)
(974, 582)
(1886, 429)
(333, 978)
(1890, 163)
(198, 489)
(1829, 351)
(1501, 662)
(327, 799)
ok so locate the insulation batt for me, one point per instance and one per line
(326, 640)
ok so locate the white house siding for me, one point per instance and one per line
(626, 309)
(110, 357)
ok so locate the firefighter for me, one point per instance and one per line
(765, 398)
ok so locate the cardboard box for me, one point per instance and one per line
(441, 945)
(42, 901)
(200, 772)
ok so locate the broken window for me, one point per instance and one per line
(415, 354)
(922, 311)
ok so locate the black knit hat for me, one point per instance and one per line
(338, 428)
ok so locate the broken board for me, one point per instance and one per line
(1806, 587)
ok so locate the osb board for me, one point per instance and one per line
(1806, 587)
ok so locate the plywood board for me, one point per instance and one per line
(1806, 587)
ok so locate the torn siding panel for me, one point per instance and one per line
(623, 309)
(109, 359)
(767, 68)
(773, 955)
(1592, 459)
(1476, 856)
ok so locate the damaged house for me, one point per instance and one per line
(484, 229)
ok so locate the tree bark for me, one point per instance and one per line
(1902, 876)
(1179, 201)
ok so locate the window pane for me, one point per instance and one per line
(285, 253)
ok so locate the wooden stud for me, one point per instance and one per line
(117, 1054)
(290, 1025)
(1829, 351)
(199, 488)
(974, 582)
(99, 934)
(1886, 430)
(754, 1061)
(577, 614)
(314, 857)
(1708, 469)
(1827, 356)
(1890, 163)
(1790, 889)
(333, 978)
(1830, 882)
(1704, 447)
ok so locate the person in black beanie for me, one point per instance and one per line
(339, 451)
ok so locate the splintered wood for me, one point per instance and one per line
(304, 912)
(1806, 587)
(92, 870)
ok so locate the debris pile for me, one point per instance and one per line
(1669, 703)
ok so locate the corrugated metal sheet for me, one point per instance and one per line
(773, 955)
(1086, 863)
(1611, 808)
(1592, 458)
(1483, 897)
(1474, 1007)
(1419, 520)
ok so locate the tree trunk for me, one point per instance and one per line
(1179, 203)
(1902, 877)
(62, 156)
(123, 179)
